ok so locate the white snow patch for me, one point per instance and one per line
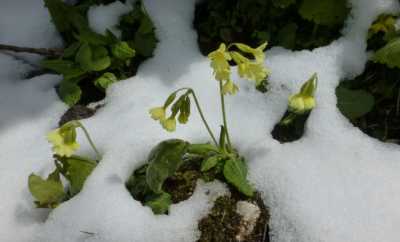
(105, 17)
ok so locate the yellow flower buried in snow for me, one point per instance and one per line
(253, 71)
(157, 113)
(258, 52)
(229, 88)
(63, 141)
(169, 124)
(219, 62)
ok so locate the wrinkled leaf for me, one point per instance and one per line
(324, 12)
(209, 163)
(122, 50)
(95, 59)
(77, 171)
(235, 172)
(389, 54)
(202, 149)
(105, 80)
(69, 92)
(160, 203)
(354, 103)
(287, 35)
(164, 160)
(48, 193)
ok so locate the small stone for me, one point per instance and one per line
(249, 213)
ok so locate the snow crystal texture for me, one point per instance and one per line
(334, 184)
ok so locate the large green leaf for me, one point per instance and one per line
(164, 160)
(48, 193)
(69, 92)
(324, 12)
(354, 103)
(159, 203)
(389, 54)
(235, 172)
(77, 171)
(67, 68)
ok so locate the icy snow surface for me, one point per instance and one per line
(335, 184)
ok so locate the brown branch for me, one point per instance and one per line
(50, 52)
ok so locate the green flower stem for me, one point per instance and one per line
(224, 116)
(202, 116)
(90, 140)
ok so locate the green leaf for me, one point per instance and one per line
(145, 44)
(48, 193)
(324, 12)
(64, 67)
(235, 172)
(71, 50)
(93, 59)
(160, 203)
(389, 54)
(105, 80)
(209, 163)
(122, 50)
(287, 35)
(283, 3)
(202, 149)
(164, 160)
(92, 38)
(77, 171)
(69, 92)
(354, 103)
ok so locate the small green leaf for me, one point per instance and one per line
(164, 160)
(209, 163)
(59, 66)
(92, 38)
(287, 35)
(389, 54)
(71, 50)
(95, 59)
(48, 193)
(105, 80)
(354, 103)
(235, 172)
(160, 203)
(69, 92)
(324, 12)
(202, 149)
(122, 51)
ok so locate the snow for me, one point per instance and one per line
(334, 184)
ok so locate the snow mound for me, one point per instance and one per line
(334, 184)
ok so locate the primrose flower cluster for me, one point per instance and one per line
(250, 65)
(249, 69)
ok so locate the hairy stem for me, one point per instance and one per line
(202, 117)
(224, 116)
(49, 52)
(90, 141)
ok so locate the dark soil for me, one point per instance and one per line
(222, 223)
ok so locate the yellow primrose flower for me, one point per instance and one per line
(300, 104)
(258, 52)
(63, 141)
(219, 62)
(309, 103)
(253, 71)
(229, 88)
(157, 113)
(169, 124)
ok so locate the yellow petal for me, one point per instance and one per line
(169, 124)
(157, 113)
